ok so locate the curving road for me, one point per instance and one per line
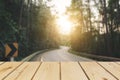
(61, 54)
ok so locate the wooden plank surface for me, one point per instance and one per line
(48, 71)
(7, 68)
(27, 69)
(112, 67)
(96, 72)
(59, 71)
(72, 71)
(118, 63)
(1, 63)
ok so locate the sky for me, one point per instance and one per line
(59, 7)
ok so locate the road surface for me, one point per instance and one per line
(61, 54)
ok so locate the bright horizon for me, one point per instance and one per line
(58, 9)
(64, 25)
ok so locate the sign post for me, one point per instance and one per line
(12, 59)
(11, 50)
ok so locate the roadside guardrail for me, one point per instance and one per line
(95, 57)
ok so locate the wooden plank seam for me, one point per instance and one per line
(12, 71)
(36, 71)
(83, 71)
(107, 71)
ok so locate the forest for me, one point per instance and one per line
(30, 23)
(99, 35)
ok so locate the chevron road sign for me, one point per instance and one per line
(11, 50)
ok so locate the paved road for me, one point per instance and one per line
(61, 54)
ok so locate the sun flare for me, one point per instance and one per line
(64, 25)
(59, 8)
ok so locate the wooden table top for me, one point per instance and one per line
(59, 70)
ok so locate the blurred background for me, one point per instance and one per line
(89, 26)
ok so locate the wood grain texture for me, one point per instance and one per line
(72, 71)
(118, 63)
(1, 63)
(28, 71)
(7, 68)
(112, 67)
(48, 71)
(96, 72)
(59, 71)
(20, 71)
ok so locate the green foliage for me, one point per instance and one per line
(86, 38)
(29, 24)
